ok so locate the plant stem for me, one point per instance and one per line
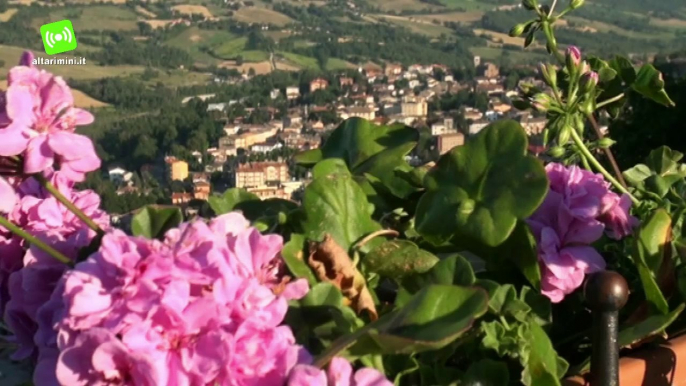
(341, 344)
(587, 154)
(607, 151)
(34, 241)
(70, 205)
(608, 101)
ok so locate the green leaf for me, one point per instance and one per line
(370, 149)
(228, 201)
(624, 68)
(451, 270)
(336, 205)
(606, 74)
(309, 157)
(293, 256)
(153, 221)
(651, 244)
(399, 258)
(272, 208)
(521, 249)
(664, 160)
(541, 308)
(652, 325)
(329, 166)
(432, 319)
(650, 84)
(637, 174)
(541, 360)
(482, 188)
(487, 372)
(504, 341)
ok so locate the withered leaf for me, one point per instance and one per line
(331, 263)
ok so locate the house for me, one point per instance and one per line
(346, 81)
(488, 70)
(181, 198)
(274, 93)
(117, 174)
(292, 93)
(267, 146)
(445, 127)
(220, 107)
(318, 84)
(258, 174)
(201, 190)
(393, 69)
(414, 107)
(533, 126)
(360, 112)
(472, 114)
(177, 170)
(292, 120)
(266, 192)
(447, 142)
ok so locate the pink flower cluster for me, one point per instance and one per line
(579, 207)
(339, 373)
(202, 307)
(28, 277)
(38, 120)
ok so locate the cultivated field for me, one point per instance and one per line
(261, 15)
(105, 17)
(193, 9)
(4, 16)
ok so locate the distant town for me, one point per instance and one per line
(387, 95)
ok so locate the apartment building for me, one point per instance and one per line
(259, 174)
(176, 169)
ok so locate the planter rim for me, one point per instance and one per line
(660, 365)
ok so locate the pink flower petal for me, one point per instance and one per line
(8, 197)
(39, 156)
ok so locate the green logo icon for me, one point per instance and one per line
(58, 37)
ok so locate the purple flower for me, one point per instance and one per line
(579, 207)
(573, 57)
(339, 373)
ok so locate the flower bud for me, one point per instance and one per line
(530, 4)
(542, 102)
(579, 124)
(564, 135)
(517, 30)
(574, 4)
(605, 143)
(588, 82)
(573, 58)
(588, 106)
(556, 152)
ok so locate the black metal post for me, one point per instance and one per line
(606, 293)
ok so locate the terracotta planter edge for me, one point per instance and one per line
(663, 365)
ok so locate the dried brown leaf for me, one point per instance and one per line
(331, 263)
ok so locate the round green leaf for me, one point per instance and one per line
(482, 188)
(336, 205)
(228, 201)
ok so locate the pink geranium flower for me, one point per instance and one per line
(339, 373)
(38, 122)
(578, 209)
(199, 308)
